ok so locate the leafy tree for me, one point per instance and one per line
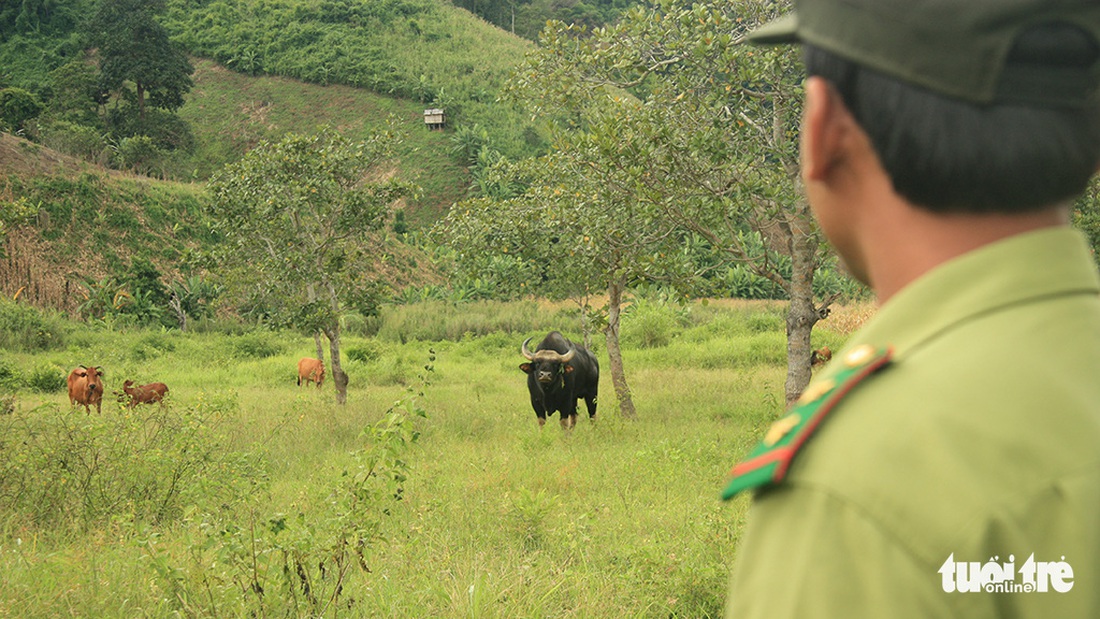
(710, 137)
(135, 49)
(580, 225)
(142, 281)
(77, 95)
(17, 106)
(295, 218)
(191, 298)
(40, 16)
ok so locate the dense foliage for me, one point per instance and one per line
(295, 219)
(527, 18)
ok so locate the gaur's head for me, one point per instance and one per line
(546, 365)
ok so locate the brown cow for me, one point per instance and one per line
(86, 388)
(145, 394)
(820, 356)
(311, 370)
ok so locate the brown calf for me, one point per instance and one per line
(145, 394)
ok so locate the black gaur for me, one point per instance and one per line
(558, 374)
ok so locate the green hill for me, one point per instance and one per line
(267, 67)
(262, 69)
(88, 227)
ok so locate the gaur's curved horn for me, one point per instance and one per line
(527, 353)
(567, 357)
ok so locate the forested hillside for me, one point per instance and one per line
(82, 101)
(65, 81)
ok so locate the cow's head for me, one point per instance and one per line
(93, 374)
(546, 365)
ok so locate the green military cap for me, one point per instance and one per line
(980, 51)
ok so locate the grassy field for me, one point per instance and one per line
(432, 493)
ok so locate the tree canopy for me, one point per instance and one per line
(295, 218)
(134, 48)
(668, 115)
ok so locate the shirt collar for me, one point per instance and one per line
(1022, 268)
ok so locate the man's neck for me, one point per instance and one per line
(915, 241)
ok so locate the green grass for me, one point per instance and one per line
(497, 518)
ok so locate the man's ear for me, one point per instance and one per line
(823, 126)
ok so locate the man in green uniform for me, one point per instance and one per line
(947, 462)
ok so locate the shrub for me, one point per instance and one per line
(139, 154)
(9, 375)
(77, 140)
(25, 329)
(650, 325)
(151, 346)
(17, 106)
(63, 470)
(296, 565)
(47, 378)
(258, 345)
(366, 352)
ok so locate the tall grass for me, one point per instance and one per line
(468, 511)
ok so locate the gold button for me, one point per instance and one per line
(859, 356)
(816, 390)
(781, 428)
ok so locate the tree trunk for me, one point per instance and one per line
(614, 353)
(339, 377)
(802, 315)
(141, 101)
(332, 332)
(177, 308)
(320, 350)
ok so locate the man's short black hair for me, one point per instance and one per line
(951, 156)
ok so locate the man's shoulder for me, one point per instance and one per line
(769, 463)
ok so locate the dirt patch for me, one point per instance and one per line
(24, 158)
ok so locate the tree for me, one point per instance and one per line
(17, 106)
(295, 218)
(580, 226)
(135, 49)
(77, 94)
(711, 140)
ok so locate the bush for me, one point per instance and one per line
(258, 345)
(10, 378)
(25, 329)
(151, 346)
(139, 154)
(650, 325)
(76, 140)
(46, 378)
(365, 352)
(61, 469)
(17, 106)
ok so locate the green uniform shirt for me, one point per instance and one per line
(977, 443)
